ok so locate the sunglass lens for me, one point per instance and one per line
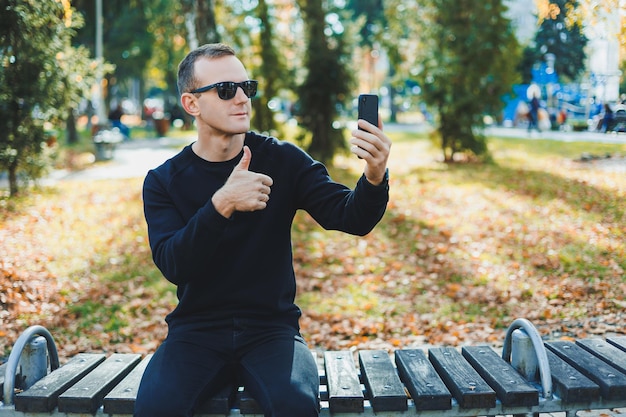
(249, 87)
(226, 90)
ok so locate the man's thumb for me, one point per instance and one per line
(245, 159)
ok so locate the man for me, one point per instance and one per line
(219, 220)
(533, 115)
(115, 117)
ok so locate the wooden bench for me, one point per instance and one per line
(530, 376)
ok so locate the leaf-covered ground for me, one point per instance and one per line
(463, 250)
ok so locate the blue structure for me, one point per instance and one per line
(546, 78)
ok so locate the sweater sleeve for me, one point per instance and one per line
(337, 207)
(176, 244)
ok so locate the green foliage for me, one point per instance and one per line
(466, 64)
(41, 76)
(202, 12)
(529, 58)
(129, 50)
(271, 71)
(374, 21)
(128, 37)
(166, 23)
(328, 81)
(566, 42)
(401, 38)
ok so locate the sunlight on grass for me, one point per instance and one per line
(535, 234)
(354, 299)
(536, 153)
(532, 216)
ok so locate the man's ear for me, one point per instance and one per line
(190, 103)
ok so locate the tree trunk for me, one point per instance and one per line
(393, 116)
(270, 70)
(321, 85)
(200, 22)
(72, 133)
(13, 186)
(321, 147)
(206, 26)
(192, 37)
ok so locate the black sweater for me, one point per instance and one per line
(243, 266)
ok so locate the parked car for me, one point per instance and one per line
(619, 119)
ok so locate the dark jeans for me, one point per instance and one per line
(271, 361)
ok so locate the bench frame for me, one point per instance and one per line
(342, 385)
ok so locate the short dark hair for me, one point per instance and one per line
(186, 75)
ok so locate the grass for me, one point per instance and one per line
(511, 232)
(463, 249)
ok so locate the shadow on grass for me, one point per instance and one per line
(532, 228)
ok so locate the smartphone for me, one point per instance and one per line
(368, 108)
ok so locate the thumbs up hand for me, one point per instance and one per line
(244, 190)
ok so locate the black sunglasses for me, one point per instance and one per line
(226, 90)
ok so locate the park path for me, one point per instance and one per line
(131, 159)
(134, 158)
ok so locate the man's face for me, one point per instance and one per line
(225, 116)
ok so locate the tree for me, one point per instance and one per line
(327, 82)
(466, 64)
(565, 41)
(374, 21)
(127, 39)
(41, 76)
(401, 38)
(592, 12)
(201, 22)
(166, 22)
(272, 71)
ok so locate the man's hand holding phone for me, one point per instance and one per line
(368, 141)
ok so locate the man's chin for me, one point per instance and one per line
(241, 128)
(242, 131)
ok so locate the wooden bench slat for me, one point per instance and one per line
(605, 351)
(619, 342)
(87, 395)
(245, 402)
(586, 374)
(43, 395)
(569, 384)
(511, 388)
(220, 403)
(422, 381)
(612, 382)
(465, 384)
(121, 400)
(344, 389)
(385, 390)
